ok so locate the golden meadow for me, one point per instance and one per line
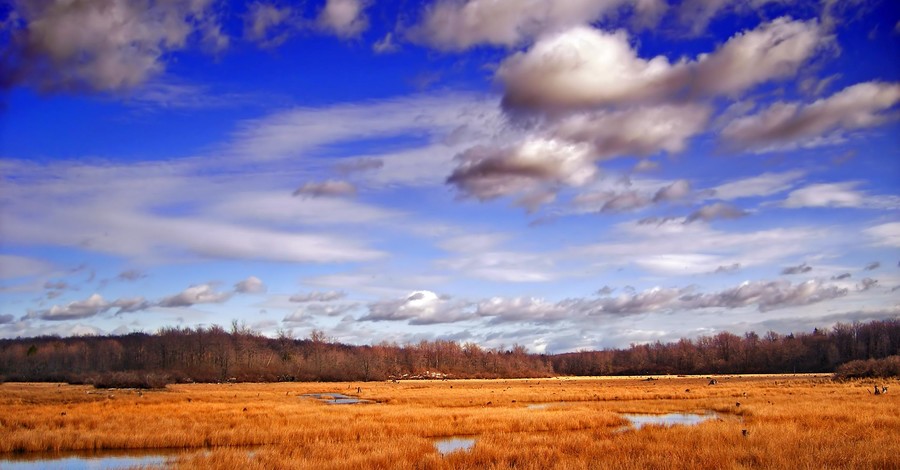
(773, 421)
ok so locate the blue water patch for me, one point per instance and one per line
(454, 444)
(336, 398)
(672, 419)
(97, 461)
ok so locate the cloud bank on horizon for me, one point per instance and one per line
(555, 174)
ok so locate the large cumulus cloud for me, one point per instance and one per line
(587, 67)
(101, 45)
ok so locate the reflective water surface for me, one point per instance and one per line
(672, 419)
(105, 460)
(336, 398)
(446, 445)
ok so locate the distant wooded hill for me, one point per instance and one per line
(215, 354)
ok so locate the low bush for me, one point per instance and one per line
(131, 380)
(871, 368)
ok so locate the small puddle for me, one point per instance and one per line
(336, 398)
(672, 419)
(446, 445)
(105, 460)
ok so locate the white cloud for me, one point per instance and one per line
(475, 242)
(765, 184)
(92, 306)
(646, 165)
(327, 296)
(698, 248)
(459, 25)
(764, 295)
(251, 285)
(872, 266)
(616, 202)
(330, 188)
(14, 266)
(678, 263)
(695, 15)
(583, 67)
(385, 45)
(802, 268)
(650, 300)
(825, 195)
(503, 266)
(377, 281)
(73, 310)
(768, 295)
(199, 294)
(168, 94)
(105, 45)
(131, 275)
(310, 312)
(419, 308)
(787, 125)
(344, 18)
(356, 165)
(279, 207)
(623, 194)
(867, 284)
(885, 234)
(638, 131)
(122, 210)
(774, 50)
(678, 190)
(487, 173)
(135, 304)
(482, 256)
(521, 309)
(564, 153)
(261, 18)
(718, 210)
(296, 131)
(839, 195)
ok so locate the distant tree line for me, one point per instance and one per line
(727, 353)
(214, 354)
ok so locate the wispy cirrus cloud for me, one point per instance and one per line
(264, 24)
(330, 188)
(112, 208)
(319, 296)
(15, 266)
(788, 125)
(455, 26)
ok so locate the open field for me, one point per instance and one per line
(791, 422)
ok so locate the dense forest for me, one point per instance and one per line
(215, 354)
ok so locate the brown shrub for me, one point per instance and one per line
(871, 368)
(131, 380)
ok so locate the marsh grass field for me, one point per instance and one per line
(774, 421)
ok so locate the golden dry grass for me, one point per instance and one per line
(793, 422)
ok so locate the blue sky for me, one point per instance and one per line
(561, 175)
